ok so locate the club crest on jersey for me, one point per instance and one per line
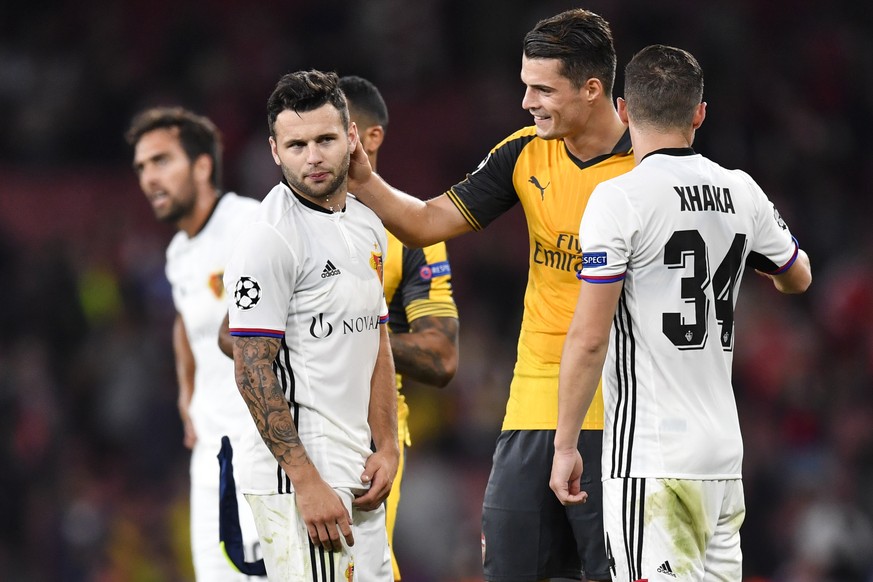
(350, 571)
(246, 293)
(376, 263)
(216, 284)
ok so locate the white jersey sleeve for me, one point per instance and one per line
(774, 250)
(260, 279)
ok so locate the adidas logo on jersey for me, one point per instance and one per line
(329, 270)
(666, 569)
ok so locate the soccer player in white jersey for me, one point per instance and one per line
(312, 354)
(177, 157)
(664, 250)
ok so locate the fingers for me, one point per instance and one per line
(328, 535)
(369, 501)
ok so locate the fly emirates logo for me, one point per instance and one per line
(564, 255)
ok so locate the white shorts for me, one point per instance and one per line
(674, 530)
(210, 562)
(290, 556)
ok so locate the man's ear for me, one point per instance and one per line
(203, 168)
(274, 152)
(372, 138)
(621, 109)
(699, 115)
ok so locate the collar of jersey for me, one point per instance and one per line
(308, 203)
(671, 152)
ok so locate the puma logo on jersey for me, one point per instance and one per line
(533, 180)
(329, 270)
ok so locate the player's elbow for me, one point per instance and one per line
(447, 370)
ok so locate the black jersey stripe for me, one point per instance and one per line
(641, 513)
(285, 375)
(623, 397)
(632, 522)
(312, 562)
(624, 421)
(626, 531)
(465, 212)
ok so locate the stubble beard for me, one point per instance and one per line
(318, 196)
(180, 206)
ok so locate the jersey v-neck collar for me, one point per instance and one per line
(209, 217)
(623, 147)
(309, 203)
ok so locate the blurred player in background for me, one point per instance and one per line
(664, 247)
(577, 141)
(177, 157)
(423, 316)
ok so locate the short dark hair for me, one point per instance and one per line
(197, 134)
(306, 91)
(365, 100)
(581, 40)
(663, 86)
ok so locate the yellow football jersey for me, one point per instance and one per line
(418, 283)
(553, 188)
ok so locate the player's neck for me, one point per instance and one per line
(193, 222)
(646, 142)
(600, 135)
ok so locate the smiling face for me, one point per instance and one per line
(313, 149)
(559, 109)
(166, 175)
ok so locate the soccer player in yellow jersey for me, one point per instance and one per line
(576, 142)
(423, 318)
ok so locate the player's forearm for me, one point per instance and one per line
(259, 387)
(382, 416)
(577, 383)
(576, 390)
(429, 353)
(798, 278)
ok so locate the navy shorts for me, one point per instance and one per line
(527, 534)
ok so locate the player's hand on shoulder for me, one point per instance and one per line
(379, 472)
(324, 514)
(566, 479)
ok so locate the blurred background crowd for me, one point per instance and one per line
(93, 474)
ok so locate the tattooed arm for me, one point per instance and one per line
(429, 352)
(381, 466)
(322, 509)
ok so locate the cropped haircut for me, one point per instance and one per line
(663, 86)
(364, 100)
(581, 40)
(303, 91)
(197, 134)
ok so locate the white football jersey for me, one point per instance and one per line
(314, 279)
(678, 229)
(195, 267)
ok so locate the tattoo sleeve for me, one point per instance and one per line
(257, 382)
